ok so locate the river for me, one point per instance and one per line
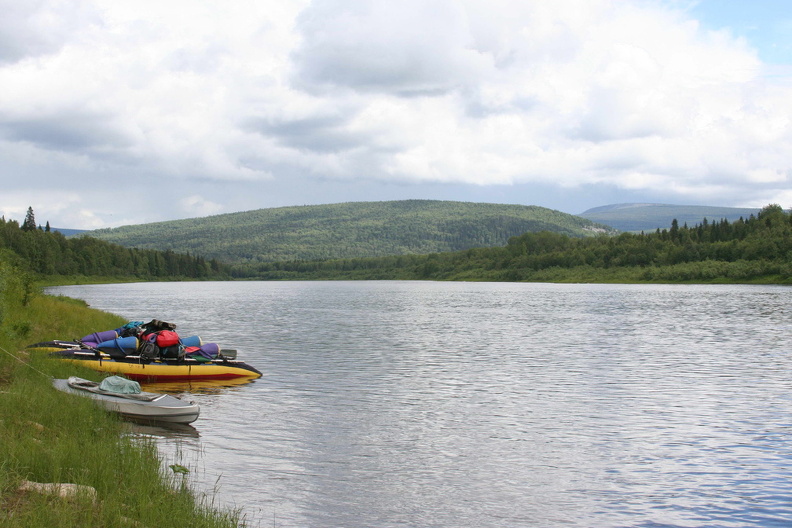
(443, 404)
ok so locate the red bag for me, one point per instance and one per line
(166, 338)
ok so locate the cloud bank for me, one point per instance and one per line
(192, 108)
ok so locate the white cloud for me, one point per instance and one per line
(196, 205)
(67, 207)
(629, 95)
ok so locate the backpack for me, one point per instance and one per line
(166, 338)
(172, 352)
(131, 329)
(163, 338)
(155, 325)
(148, 350)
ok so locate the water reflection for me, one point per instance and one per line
(196, 386)
(161, 430)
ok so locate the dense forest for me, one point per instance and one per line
(41, 251)
(348, 230)
(756, 249)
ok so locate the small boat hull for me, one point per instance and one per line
(136, 369)
(152, 407)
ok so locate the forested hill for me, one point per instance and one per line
(348, 230)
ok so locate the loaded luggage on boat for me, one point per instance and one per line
(151, 351)
(153, 340)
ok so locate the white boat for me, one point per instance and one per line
(148, 406)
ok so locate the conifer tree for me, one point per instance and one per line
(30, 221)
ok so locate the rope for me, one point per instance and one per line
(25, 363)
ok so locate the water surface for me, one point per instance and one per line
(396, 404)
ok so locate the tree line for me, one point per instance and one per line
(755, 249)
(758, 248)
(41, 251)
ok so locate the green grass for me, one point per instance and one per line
(49, 436)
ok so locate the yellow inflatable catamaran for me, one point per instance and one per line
(138, 369)
(143, 369)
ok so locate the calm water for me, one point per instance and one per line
(421, 404)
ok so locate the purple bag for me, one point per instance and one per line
(98, 337)
(204, 353)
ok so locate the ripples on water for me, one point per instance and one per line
(395, 404)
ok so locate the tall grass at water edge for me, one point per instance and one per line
(48, 436)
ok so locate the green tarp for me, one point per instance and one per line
(120, 385)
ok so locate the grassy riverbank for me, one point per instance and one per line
(48, 436)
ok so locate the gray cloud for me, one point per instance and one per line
(63, 132)
(321, 134)
(425, 49)
(36, 27)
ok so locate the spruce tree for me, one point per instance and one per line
(30, 221)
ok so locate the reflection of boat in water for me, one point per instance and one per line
(139, 405)
(161, 429)
(196, 386)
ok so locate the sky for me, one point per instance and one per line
(117, 112)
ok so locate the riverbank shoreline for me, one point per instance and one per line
(52, 438)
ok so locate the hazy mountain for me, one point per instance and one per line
(650, 217)
(67, 232)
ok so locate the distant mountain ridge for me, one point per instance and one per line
(650, 217)
(348, 230)
(68, 232)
